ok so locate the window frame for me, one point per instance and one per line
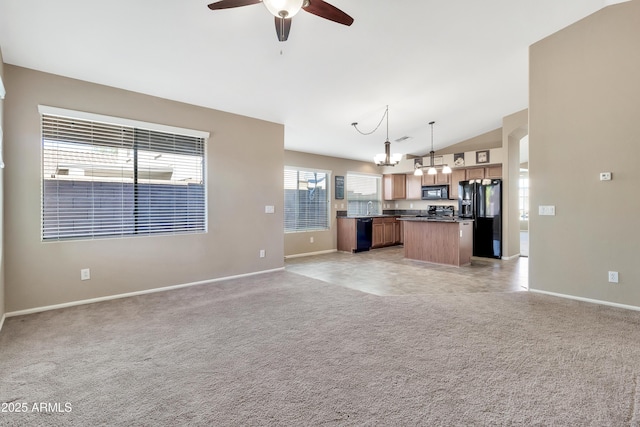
(153, 129)
(377, 202)
(298, 170)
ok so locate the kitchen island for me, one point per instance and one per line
(442, 241)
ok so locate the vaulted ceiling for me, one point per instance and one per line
(462, 63)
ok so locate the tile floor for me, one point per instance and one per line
(386, 272)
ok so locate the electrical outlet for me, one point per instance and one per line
(605, 176)
(85, 274)
(269, 209)
(613, 277)
(262, 253)
(310, 239)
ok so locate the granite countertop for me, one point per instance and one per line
(435, 219)
(412, 218)
(368, 216)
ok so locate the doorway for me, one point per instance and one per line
(523, 196)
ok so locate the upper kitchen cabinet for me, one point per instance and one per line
(414, 187)
(493, 171)
(475, 173)
(437, 179)
(457, 175)
(395, 186)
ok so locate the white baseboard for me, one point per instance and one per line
(589, 300)
(329, 251)
(132, 294)
(507, 258)
(4, 316)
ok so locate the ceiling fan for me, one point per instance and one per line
(284, 10)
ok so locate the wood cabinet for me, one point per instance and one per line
(377, 235)
(475, 173)
(385, 232)
(390, 232)
(493, 171)
(395, 186)
(347, 234)
(437, 179)
(414, 187)
(457, 175)
(448, 243)
(442, 178)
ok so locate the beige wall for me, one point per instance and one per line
(584, 110)
(299, 243)
(514, 128)
(244, 173)
(492, 139)
(2, 305)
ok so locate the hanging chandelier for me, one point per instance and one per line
(386, 158)
(432, 168)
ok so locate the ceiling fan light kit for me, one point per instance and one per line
(284, 10)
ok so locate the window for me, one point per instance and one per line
(364, 194)
(103, 179)
(306, 200)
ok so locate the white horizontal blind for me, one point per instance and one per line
(106, 180)
(306, 200)
(364, 194)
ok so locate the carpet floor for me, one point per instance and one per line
(285, 349)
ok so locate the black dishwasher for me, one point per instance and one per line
(363, 234)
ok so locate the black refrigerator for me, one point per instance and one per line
(481, 200)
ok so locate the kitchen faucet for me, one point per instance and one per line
(369, 204)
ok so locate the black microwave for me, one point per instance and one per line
(435, 192)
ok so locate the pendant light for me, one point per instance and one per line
(432, 167)
(386, 158)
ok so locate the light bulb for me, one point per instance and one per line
(283, 8)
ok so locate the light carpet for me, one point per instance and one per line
(284, 349)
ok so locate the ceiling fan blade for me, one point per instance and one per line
(327, 11)
(227, 4)
(283, 26)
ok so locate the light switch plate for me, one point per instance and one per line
(269, 209)
(546, 210)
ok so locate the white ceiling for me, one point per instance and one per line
(462, 63)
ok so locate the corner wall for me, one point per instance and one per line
(244, 170)
(584, 109)
(2, 291)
